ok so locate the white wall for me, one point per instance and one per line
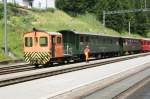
(8, 1)
(36, 3)
(42, 4)
(20, 2)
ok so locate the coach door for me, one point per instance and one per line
(53, 45)
(121, 40)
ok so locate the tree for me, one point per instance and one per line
(118, 22)
(75, 7)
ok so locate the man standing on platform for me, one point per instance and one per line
(86, 53)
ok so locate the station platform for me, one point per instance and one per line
(58, 87)
(141, 93)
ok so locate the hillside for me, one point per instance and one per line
(118, 19)
(21, 20)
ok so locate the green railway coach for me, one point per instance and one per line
(100, 45)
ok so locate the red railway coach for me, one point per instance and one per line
(41, 46)
(145, 44)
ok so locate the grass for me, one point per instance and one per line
(1, 41)
(60, 20)
(50, 20)
(148, 34)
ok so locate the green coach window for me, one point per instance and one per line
(43, 41)
(81, 39)
(87, 39)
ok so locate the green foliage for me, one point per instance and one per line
(148, 34)
(19, 21)
(12, 10)
(118, 22)
(17, 26)
(42, 10)
(2, 56)
(50, 10)
(75, 7)
(1, 11)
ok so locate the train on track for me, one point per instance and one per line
(44, 48)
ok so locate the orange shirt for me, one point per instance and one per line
(86, 50)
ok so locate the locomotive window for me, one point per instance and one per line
(59, 40)
(43, 41)
(28, 41)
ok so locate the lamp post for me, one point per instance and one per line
(5, 27)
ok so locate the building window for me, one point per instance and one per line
(28, 41)
(43, 41)
(31, 4)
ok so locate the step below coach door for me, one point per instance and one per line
(53, 45)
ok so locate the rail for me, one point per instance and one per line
(41, 73)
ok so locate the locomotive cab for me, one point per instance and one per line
(41, 46)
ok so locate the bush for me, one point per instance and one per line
(51, 10)
(1, 11)
(42, 10)
(73, 7)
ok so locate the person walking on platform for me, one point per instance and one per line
(86, 53)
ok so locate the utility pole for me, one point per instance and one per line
(123, 11)
(129, 28)
(46, 4)
(5, 27)
(104, 16)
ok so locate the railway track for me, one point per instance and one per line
(45, 72)
(27, 67)
(127, 94)
(16, 68)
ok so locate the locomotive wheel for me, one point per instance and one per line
(99, 56)
(66, 61)
(36, 65)
(49, 64)
(45, 65)
(63, 62)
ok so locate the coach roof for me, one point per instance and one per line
(86, 33)
(54, 33)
